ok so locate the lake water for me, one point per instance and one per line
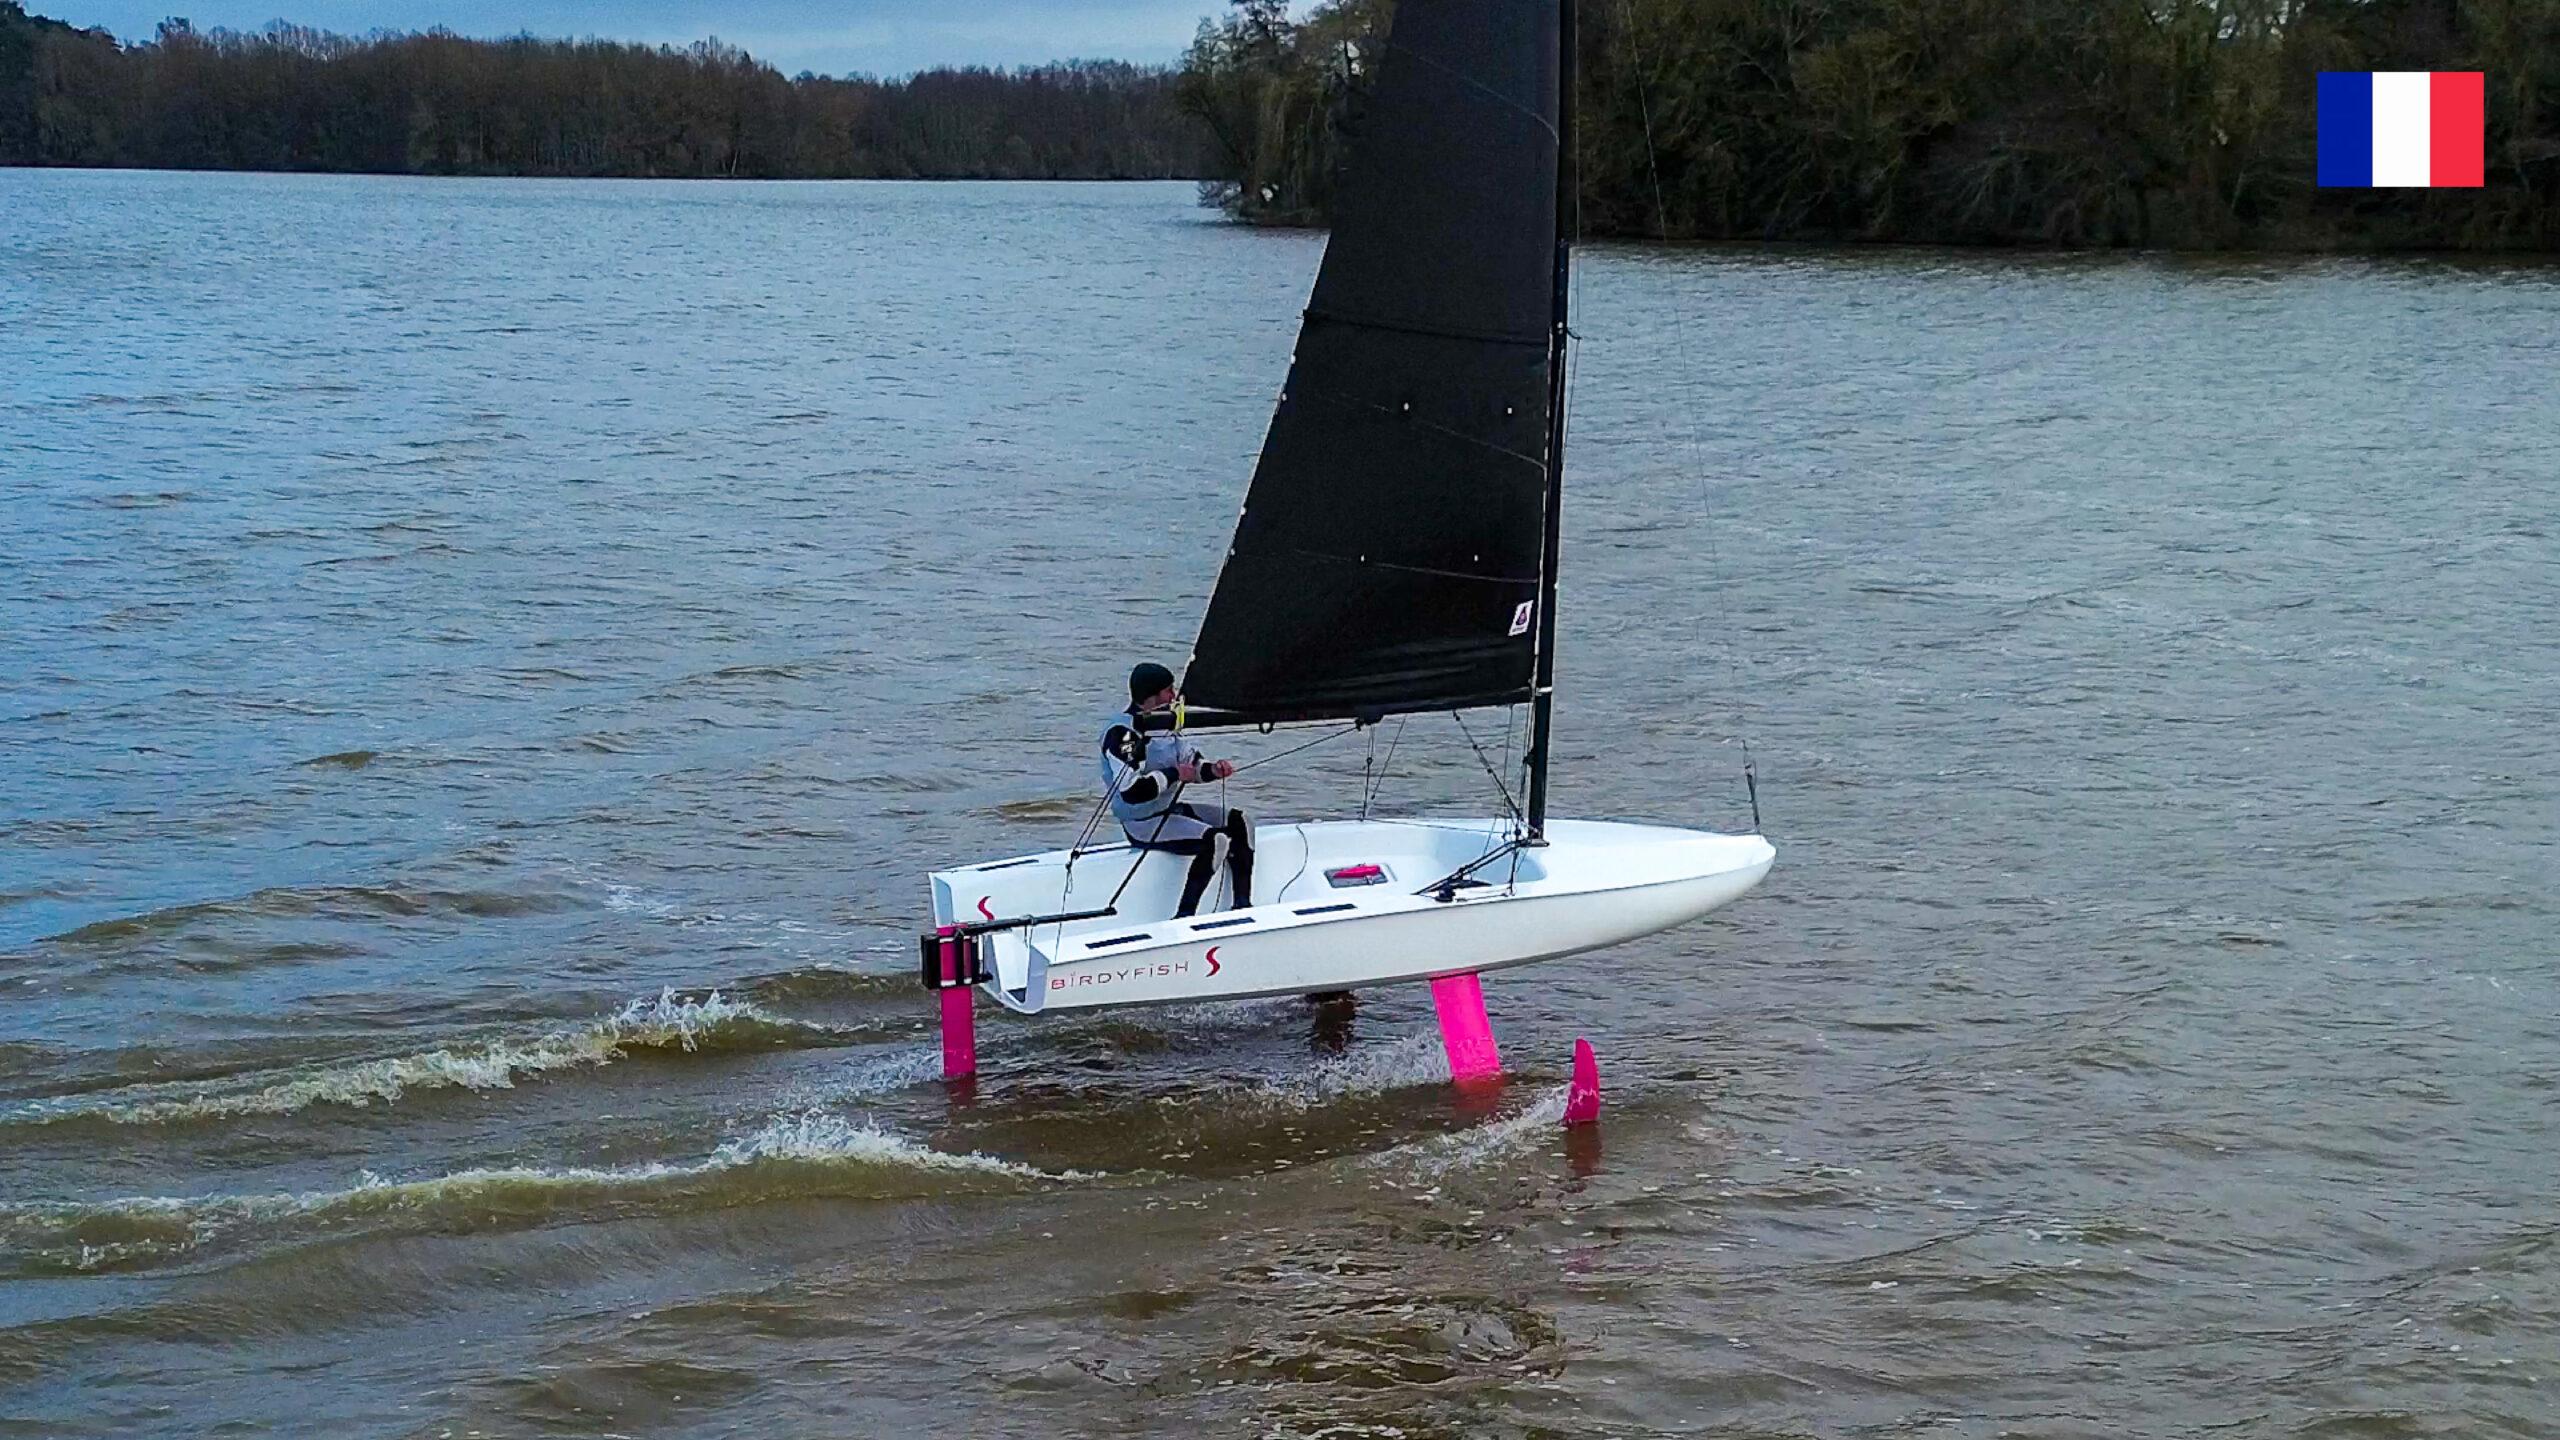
(484, 667)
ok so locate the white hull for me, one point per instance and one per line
(1593, 883)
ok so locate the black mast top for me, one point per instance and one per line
(1395, 551)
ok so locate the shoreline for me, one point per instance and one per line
(1753, 244)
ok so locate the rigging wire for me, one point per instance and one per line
(1510, 734)
(1510, 728)
(1294, 749)
(1370, 793)
(1689, 431)
(1144, 848)
(1092, 822)
(1067, 879)
(1389, 767)
(1482, 759)
(1519, 836)
(1368, 764)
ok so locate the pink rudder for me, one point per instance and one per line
(1582, 1102)
(959, 1012)
(959, 1033)
(1466, 1032)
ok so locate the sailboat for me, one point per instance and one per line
(1397, 554)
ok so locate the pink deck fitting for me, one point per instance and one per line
(1466, 1032)
(1582, 1102)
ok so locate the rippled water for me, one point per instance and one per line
(484, 667)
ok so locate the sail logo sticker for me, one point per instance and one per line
(1140, 971)
(1520, 617)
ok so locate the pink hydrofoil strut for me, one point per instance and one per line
(959, 1011)
(1466, 1032)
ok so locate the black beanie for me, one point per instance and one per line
(1146, 680)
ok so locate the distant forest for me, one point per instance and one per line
(2171, 123)
(288, 98)
(2175, 123)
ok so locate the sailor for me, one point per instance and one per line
(1146, 764)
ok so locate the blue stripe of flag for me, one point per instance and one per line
(2346, 127)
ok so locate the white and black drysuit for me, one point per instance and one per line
(1143, 773)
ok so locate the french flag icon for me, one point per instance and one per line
(2401, 128)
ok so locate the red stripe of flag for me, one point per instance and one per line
(2456, 128)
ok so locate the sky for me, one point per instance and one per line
(831, 37)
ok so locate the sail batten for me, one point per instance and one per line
(1389, 555)
(1486, 337)
(1489, 445)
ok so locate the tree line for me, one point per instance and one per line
(291, 98)
(2184, 123)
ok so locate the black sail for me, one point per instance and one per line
(1388, 555)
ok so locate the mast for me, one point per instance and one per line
(1543, 698)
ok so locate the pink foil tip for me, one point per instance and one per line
(1582, 1103)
